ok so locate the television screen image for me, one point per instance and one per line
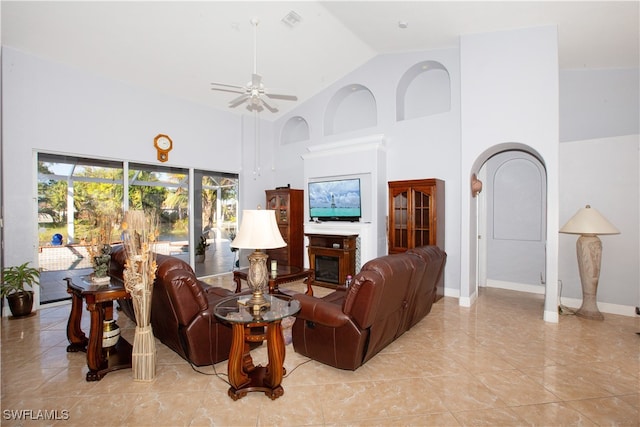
(336, 200)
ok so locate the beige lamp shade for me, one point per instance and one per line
(258, 230)
(589, 221)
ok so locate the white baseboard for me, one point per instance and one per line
(468, 301)
(551, 316)
(514, 286)
(454, 293)
(604, 307)
(575, 303)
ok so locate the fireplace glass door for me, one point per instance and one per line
(328, 269)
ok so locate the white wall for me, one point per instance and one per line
(51, 107)
(605, 174)
(599, 165)
(54, 108)
(509, 87)
(425, 147)
(599, 103)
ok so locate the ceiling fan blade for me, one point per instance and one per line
(281, 96)
(271, 107)
(237, 101)
(227, 85)
(221, 89)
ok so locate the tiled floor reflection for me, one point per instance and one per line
(497, 363)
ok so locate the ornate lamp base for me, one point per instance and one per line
(257, 278)
(589, 248)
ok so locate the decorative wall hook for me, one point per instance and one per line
(476, 185)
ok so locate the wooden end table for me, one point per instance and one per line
(284, 274)
(244, 376)
(99, 300)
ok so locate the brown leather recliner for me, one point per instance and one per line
(182, 310)
(434, 269)
(389, 295)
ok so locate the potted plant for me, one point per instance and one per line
(201, 249)
(232, 236)
(15, 279)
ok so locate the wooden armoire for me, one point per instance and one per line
(288, 204)
(416, 216)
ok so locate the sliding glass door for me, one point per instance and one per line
(196, 211)
(215, 221)
(163, 192)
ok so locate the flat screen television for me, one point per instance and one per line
(335, 200)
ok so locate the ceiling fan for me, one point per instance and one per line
(254, 94)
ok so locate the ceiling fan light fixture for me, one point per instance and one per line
(254, 92)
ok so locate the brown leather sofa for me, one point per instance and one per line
(389, 295)
(182, 310)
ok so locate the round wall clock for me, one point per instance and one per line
(163, 145)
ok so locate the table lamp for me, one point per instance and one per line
(258, 231)
(588, 222)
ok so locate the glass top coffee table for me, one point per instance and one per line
(244, 376)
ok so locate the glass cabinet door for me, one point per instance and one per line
(421, 219)
(272, 203)
(399, 226)
(283, 209)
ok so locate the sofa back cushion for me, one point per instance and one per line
(185, 293)
(434, 259)
(118, 259)
(175, 281)
(379, 298)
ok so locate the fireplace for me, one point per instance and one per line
(332, 257)
(328, 269)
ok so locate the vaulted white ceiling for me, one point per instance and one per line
(179, 48)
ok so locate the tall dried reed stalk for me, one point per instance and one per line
(140, 234)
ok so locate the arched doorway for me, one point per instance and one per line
(512, 222)
(471, 248)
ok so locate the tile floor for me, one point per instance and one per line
(497, 363)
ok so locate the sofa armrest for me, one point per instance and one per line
(319, 311)
(217, 291)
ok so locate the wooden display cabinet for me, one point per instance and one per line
(416, 216)
(288, 204)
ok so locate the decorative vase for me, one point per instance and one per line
(20, 303)
(143, 355)
(139, 275)
(110, 333)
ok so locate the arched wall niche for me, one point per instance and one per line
(351, 108)
(296, 129)
(423, 90)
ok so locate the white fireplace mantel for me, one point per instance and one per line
(344, 147)
(366, 246)
(364, 158)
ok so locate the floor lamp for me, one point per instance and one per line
(258, 231)
(588, 222)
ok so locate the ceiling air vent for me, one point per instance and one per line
(291, 19)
